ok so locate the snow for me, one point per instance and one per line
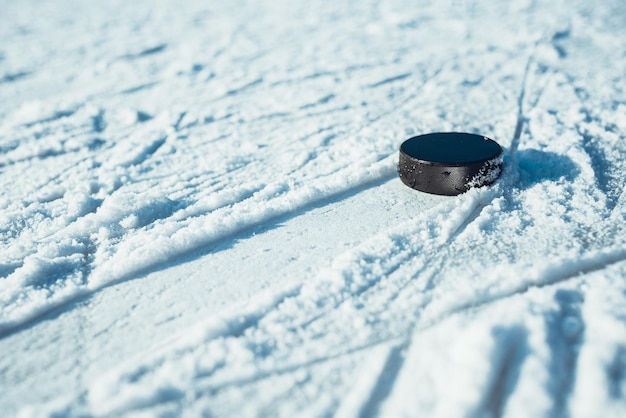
(201, 214)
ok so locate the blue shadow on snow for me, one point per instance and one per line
(536, 166)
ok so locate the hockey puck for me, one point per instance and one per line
(449, 163)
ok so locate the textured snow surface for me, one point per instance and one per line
(200, 213)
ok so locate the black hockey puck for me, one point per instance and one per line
(449, 163)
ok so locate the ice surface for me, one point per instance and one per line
(201, 216)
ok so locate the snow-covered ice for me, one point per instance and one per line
(201, 215)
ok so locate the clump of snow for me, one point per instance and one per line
(488, 173)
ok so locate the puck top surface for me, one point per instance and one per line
(451, 148)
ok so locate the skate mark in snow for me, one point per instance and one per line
(13, 77)
(521, 118)
(321, 101)
(214, 385)
(616, 373)
(139, 88)
(509, 355)
(548, 274)
(56, 115)
(556, 41)
(390, 80)
(99, 122)
(384, 383)
(244, 87)
(565, 334)
(137, 150)
(602, 169)
(372, 385)
(146, 52)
